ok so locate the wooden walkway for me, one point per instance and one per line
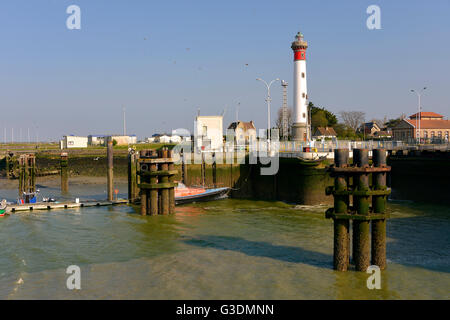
(61, 205)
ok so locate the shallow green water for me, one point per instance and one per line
(217, 250)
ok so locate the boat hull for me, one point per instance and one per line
(208, 195)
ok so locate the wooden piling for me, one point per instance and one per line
(64, 165)
(133, 190)
(379, 206)
(214, 170)
(183, 168)
(172, 181)
(341, 226)
(110, 167)
(203, 170)
(157, 184)
(361, 228)
(27, 174)
(360, 213)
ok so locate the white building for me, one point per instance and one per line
(95, 140)
(73, 142)
(175, 139)
(162, 139)
(208, 132)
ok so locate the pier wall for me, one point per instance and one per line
(421, 177)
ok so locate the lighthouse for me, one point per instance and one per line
(300, 130)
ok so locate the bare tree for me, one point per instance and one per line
(352, 119)
(279, 122)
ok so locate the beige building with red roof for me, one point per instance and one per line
(432, 126)
(244, 132)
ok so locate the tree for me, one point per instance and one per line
(352, 119)
(394, 122)
(331, 117)
(319, 119)
(279, 122)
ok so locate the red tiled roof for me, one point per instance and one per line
(430, 124)
(426, 115)
(326, 131)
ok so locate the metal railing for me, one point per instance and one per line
(330, 145)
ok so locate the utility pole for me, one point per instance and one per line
(284, 113)
(124, 122)
(419, 116)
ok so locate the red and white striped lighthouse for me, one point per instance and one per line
(300, 130)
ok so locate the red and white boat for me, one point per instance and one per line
(185, 194)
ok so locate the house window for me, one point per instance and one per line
(303, 74)
(446, 135)
(205, 131)
(432, 134)
(303, 95)
(440, 134)
(425, 134)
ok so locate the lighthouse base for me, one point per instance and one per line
(300, 132)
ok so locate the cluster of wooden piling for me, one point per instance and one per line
(157, 187)
(352, 194)
(27, 173)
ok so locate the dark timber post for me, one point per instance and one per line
(214, 170)
(27, 173)
(109, 161)
(64, 163)
(203, 169)
(164, 179)
(133, 190)
(341, 203)
(183, 167)
(361, 228)
(171, 181)
(379, 206)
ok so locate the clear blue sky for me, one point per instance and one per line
(165, 59)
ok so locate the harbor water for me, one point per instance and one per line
(227, 249)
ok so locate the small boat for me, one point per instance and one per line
(3, 205)
(184, 194)
(28, 197)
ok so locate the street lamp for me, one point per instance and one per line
(419, 94)
(268, 99)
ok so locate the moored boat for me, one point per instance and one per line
(3, 205)
(184, 194)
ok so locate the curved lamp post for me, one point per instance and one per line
(268, 99)
(419, 117)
